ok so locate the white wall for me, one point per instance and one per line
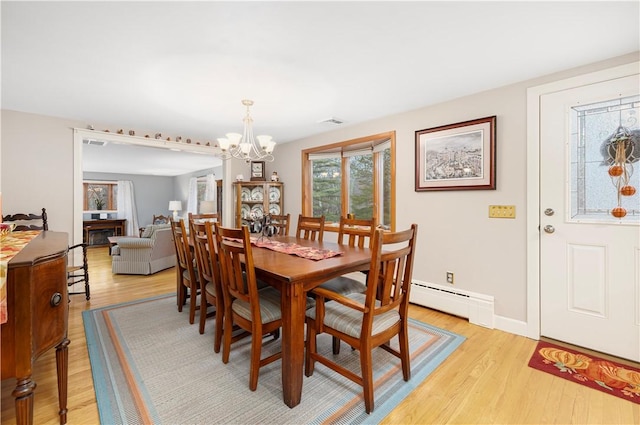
(488, 256)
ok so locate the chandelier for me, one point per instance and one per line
(243, 146)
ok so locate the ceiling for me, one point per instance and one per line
(182, 68)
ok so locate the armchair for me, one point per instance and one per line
(145, 255)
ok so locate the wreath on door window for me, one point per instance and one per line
(620, 151)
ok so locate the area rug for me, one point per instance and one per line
(607, 376)
(150, 366)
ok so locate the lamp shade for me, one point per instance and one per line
(207, 207)
(175, 206)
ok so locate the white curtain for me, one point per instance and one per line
(127, 206)
(192, 201)
(210, 193)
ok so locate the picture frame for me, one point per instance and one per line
(460, 156)
(257, 171)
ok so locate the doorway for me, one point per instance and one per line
(588, 285)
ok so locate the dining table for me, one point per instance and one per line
(294, 276)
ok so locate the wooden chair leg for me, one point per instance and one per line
(403, 340)
(311, 348)
(256, 351)
(217, 338)
(193, 299)
(367, 378)
(228, 330)
(336, 345)
(203, 310)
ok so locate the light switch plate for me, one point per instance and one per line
(502, 211)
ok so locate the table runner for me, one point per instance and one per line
(10, 246)
(308, 252)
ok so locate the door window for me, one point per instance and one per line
(594, 192)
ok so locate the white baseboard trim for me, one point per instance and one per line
(512, 326)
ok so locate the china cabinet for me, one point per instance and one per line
(255, 199)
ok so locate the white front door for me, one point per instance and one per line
(589, 260)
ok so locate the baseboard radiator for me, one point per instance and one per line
(478, 308)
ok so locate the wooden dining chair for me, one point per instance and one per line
(281, 223)
(352, 232)
(160, 219)
(202, 235)
(28, 221)
(310, 228)
(369, 320)
(76, 273)
(256, 311)
(187, 277)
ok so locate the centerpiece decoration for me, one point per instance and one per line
(260, 223)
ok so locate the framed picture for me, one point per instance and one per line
(257, 171)
(459, 156)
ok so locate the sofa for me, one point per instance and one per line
(148, 254)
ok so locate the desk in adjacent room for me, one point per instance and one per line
(96, 232)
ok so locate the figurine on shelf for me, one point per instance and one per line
(132, 133)
(274, 177)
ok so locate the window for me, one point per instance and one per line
(592, 193)
(100, 196)
(356, 176)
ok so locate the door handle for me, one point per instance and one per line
(549, 228)
(549, 212)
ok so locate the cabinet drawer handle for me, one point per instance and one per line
(56, 299)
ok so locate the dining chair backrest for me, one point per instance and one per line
(236, 267)
(160, 219)
(281, 222)
(207, 264)
(203, 217)
(181, 240)
(310, 228)
(390, 272)
(357, 232)
(28, 221)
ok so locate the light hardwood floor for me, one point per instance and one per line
(485, 381)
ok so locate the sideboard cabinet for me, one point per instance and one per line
(37, 318)
(255, 199)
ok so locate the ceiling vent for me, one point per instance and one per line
(332, 120)
(94, 142)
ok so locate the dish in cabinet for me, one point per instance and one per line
(256, 194)
(245, 194)
(274, 209)
(274, 194)
(257, 211)
(245, 210)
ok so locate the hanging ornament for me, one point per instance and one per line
(622, 151)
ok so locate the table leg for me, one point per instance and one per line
(293, 305)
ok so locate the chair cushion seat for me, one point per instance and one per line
(344, 285)
(349, 321)
(187, 276)
(210, 288)
(269, 306)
